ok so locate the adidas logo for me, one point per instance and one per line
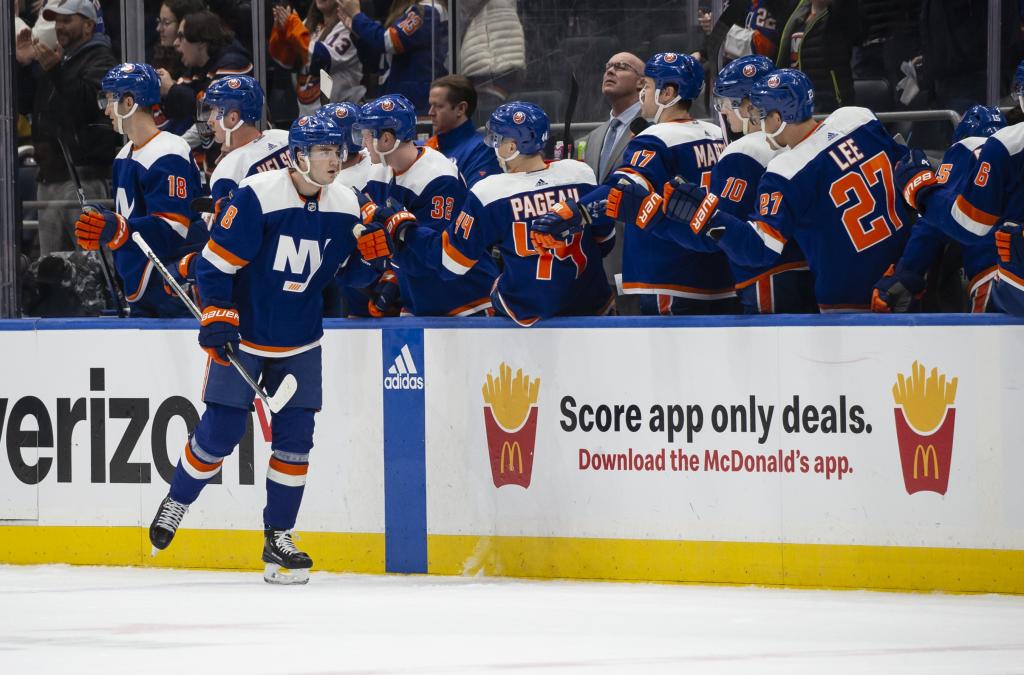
(541, 182)
(403, 374)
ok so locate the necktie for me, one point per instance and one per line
(609, 144)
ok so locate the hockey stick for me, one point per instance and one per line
(288, 385)
(568, 149)
(114, 288)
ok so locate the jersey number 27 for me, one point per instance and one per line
(853, 191)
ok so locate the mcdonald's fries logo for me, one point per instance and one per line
(510, 420)
(925, 418)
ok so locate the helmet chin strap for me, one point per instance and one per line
(662, 106)
(376, 148)
(771, 137)
(503, 161)
(306, 174)
(119, 118)
(227, 132)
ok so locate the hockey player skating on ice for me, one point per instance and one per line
(419, 185)
(540, 279)
(280, 240)
(154, 180)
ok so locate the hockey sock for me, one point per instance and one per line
(289, 463)
(215, 437)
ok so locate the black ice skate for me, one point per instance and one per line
(165, 523)
(285, 564)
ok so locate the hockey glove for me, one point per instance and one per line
(384, 235)
(558, 226)
(185, 274)
(692, 205)
(385, 299)
(218, 330)
(97, 226)
(631, 203)
(914, 176)
(897, 291)
(1010, 243)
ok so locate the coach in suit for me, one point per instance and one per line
(621, 85)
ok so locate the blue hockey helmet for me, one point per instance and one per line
(682, 70)
(236, 92)
(525, 123)
(979, 121)
(136, 79)
(309, 131)
(736, 79)
(344, 116)
(392, 112)
(1018, 85)
(786, 91)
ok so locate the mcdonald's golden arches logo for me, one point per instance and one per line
(925, 418)
(510, 420)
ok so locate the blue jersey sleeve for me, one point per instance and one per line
(412, 29)
(468, 238)
(221, 188)
(981, 203)
(759, 240)
(234, 241)
(170, 185)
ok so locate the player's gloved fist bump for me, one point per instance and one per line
(914, 176)
(1010, 243)
(896, 291)
(386, 300)
(374, 242)
(554, 228)
(395, 219)
(690, 204)
(630, 202)
(97, 226)
(218, 330)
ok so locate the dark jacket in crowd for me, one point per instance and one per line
(64, 104)
(180, 101)
(825, 50)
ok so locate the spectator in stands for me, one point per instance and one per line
(321, 42)
(208, 51)
(493, 52)
(412, 44)
(237, 15)
(66, 79)
(602, 151)
(744, 27)
(818, 39)
(165, 56)
(452, 104)
(891, 37)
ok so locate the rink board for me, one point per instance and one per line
(745, 451)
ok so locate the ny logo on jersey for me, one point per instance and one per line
(292, 259)
(121, 203)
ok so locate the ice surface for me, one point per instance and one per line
(72, 620)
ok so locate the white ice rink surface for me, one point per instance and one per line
(77, 620)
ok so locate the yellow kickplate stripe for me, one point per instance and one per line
(805, 565)
(205, 549)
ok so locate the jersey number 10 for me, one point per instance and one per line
(853, 190)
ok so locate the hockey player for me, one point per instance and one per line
(905, 282)
(787, 285)
(833, 192)
(277, 244)
(154, 180)
(540, 278)
(669, 278)
(382, 297)
(993, 197)
(429, 187)
(231, 107)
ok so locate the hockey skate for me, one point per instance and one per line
(285, 564)
(165, 523)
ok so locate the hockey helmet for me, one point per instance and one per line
(137, 79)
(979, 120)
(525, 123)
(344, 116)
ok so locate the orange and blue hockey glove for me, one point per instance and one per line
(915, 178)
(557, 227)
(385, 297)
(633, 204)
(218, 330)
(97, 226)
(897, 291)
(383, 230)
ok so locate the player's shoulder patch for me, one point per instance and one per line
(1011, 137)
(164, 144)
(430, 166)
(753, 145)
(836, 126)
(678, 133)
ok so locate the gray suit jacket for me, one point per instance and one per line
(595, 143)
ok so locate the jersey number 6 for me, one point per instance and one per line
(855, 187)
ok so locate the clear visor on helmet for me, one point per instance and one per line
(758, 113)
(104, 98)
(205, 113)
(493, 139)
(356, 135)
(724, 104)
(319, 153)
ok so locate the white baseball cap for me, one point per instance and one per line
(68, 7)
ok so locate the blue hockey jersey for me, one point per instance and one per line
(267, 152)
(153, 186)
(834, 194)
(434, 192)
(272, 253)
(412, 50)
(534, 284)
(932, 232)
(996, 190)
(650, 264)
